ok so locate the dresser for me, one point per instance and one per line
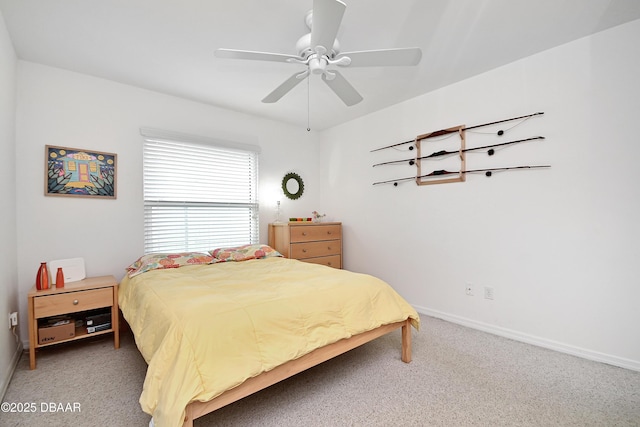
(318, 243)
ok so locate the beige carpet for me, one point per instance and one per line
(458, 377)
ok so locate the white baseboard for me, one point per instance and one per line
(633, 365)
(12, 367)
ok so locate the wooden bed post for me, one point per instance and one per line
(406, 341)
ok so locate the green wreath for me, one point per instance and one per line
(296, 178)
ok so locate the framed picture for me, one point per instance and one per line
(73, 172)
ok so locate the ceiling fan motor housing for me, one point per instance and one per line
(303, 47)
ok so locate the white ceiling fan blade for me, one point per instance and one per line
(257, 56)
(283, 89)
(342, 88)
(384, 57)
(325, 22)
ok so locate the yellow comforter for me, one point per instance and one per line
(205, 329)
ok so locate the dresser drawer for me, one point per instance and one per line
(317, 232)
(315, 249)
(71, 302)
(329, 261)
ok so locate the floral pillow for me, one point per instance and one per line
(245, 252)
(158, 261)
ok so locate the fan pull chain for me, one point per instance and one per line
(308, 104)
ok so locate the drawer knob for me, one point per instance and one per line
(304, 251)
(328, 248)
(75, 302)
(304, 233)
(328, 232)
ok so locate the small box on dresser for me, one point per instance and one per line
(314, 242)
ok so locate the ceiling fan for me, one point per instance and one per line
(319, 50)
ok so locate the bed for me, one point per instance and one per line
(216, 327)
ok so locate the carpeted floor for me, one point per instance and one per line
(458, 377)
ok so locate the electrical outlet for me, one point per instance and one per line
(488, 292)
(13, 319)
(469, 289)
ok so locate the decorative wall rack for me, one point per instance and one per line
(442, 176)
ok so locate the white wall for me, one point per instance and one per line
(9, 348)
(560, 247)
(61, 108)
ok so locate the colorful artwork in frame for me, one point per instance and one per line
(79, 173)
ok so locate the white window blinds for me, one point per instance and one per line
(198, 196)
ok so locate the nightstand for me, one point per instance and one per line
(75, 297)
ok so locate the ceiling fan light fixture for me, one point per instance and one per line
(318, 64)
(303, 75)
(328, 75)
(342, 61)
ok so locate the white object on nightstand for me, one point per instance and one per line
(73, 269)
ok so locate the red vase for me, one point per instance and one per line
(42, 279)
(59, 278)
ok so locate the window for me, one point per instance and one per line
(198, 194)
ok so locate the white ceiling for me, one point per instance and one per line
(167, 45)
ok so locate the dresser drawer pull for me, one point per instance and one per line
(304, 251)
(304, 233)
(328, 232)
(75, 302)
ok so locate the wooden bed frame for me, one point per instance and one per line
(198, 409)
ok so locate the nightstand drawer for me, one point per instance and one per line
(315, 249)
(52, 305)
(318, 232)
